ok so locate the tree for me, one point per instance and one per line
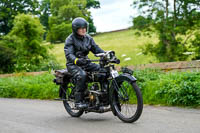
(7, 56)
(140, 22)
(92, 28)
(92, 4)
(27, 33)
(59, 32)
(177, 24)
(62, 14)
(10, 8)
(45, 12)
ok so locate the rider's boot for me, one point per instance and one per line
(79, 101)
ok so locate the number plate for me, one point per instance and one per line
(114, 73)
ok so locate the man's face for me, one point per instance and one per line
(82, 31)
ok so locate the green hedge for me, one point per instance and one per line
(177, 88)
(34, 87)
(174, 88)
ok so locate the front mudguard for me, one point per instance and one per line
(127, 76)
(113, 91)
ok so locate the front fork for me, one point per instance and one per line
(121, 91)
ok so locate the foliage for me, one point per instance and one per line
(28, 33)
(63, 12)
(23, 49)
(93, 4)
(45, 13)
(10, 8)
(46, 64)
(177, 88)
(92, 28)
(177, 24)
(58, 32)
(7, 56)
(140, 22)
(34, 87)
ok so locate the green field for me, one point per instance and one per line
(122, 42)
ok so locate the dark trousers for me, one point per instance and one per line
(79, 73)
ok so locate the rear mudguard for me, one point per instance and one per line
(113, 90)
(62, 89)
(63, 86)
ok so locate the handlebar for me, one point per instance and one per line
(106, 57)
(93, 60)
(117, 61)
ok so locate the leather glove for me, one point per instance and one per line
(80, 61)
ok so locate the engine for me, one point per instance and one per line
(97, 97)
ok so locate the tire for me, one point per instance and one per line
(69, 103)
(131, 98)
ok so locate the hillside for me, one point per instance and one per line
(125, 43)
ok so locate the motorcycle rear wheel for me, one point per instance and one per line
(69, 102)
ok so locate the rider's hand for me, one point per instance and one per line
(80, 61)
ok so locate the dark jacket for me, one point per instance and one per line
(83, 45)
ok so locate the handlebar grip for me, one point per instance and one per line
(118, 61)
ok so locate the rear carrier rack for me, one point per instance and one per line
(60, 74)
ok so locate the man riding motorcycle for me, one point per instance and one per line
(77, 47)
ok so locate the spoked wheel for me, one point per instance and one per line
(127, 100)
(69, 104)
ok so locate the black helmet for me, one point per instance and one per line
(79, 23)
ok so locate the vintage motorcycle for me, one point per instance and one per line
(107, 90)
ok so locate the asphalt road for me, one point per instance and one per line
(41, 116)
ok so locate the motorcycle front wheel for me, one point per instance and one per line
(127, 99)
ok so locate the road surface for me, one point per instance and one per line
(43, 116)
